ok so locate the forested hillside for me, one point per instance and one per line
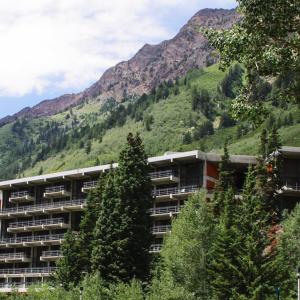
(188, 113)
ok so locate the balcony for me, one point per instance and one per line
(291, 188)
(161, 229)
(56, 192)
(20, 197)
(46, 208)
(14, 258)
(89, 185)
(51, 255)
(43, 224)
(31, 241)
(21, 287)
(155, 248)
(162, 177)
(26, 272)
(175, 192)
(165, 211)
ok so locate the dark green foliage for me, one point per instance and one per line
(201, 101)
(225, 172)
(244, 265)
(233, 81)
(226, 121)
(187, 138)
(148, 121)
(70, 266)
(263, 149)
(41, 170)
(204, 130)
(122, 234)
(88, 147)
(274, 141)
(289, 253)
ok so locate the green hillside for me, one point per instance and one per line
(175, 117)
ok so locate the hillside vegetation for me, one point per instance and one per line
(189, 113)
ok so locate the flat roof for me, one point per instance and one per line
(289, 151)
(167, 158)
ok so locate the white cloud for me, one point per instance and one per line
(68, 43)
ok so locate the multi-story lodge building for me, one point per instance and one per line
(35, 212)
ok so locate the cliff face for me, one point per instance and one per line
(151, 65)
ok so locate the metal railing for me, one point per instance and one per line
(46, 270)
(30, 239)
(155, 247)
(20, 194)
(293, 186)
(161, 228)
(162, 174)
(90, 184)
(165, 210)
(175, 190)
(19, 255)
(55, 189)
(54, 253)
(53, 221)
(12, 285)
(42, 206)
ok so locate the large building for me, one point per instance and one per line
(36, 211)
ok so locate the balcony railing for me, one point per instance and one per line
(54, 221)
(44, 206)
(55, 189)
(161, 228)
(17, 285)
(292, 186)
(19, 194)
(165, 210)
(53, 253)
(162, 174)
(90, 184)
(15, 271)
(155, 248)
(175, 190)
(31, 239)
(8, 256)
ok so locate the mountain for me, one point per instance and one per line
(151, 65)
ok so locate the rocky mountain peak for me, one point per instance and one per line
(151, 65)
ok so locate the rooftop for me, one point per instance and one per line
(167, 158)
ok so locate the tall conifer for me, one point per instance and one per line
(123, 229)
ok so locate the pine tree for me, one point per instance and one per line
(107, 253)
(222, 269)
(69, 267)
(225, 181)
(244, 265)
(274, 141)
(88, 222)
(263, 150)
(123, 229)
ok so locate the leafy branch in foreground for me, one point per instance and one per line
(266, 40)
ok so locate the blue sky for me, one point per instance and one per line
(49, 48)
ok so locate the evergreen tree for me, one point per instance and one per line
(223, 269)
(274, 141)
(123, 230)
(263, 149)
(225, 172)
(187, 138)
(69, 267)
(224, 183)
(88, 147)
(244, 265)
